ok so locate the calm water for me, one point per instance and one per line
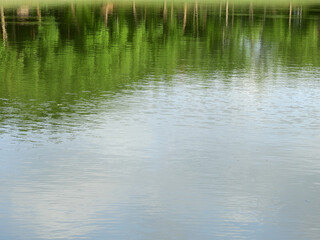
(159, 121)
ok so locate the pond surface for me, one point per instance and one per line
(160, 121)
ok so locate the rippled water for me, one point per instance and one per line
(159, 121)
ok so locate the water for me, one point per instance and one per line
(159, 121)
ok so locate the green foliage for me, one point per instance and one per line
(73, 50)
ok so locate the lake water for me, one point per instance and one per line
(160, 121)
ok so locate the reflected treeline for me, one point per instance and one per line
(55, 55)
(190, 15)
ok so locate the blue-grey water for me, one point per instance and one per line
(145, 127)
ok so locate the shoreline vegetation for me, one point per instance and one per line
(226, 8)
(283, 3)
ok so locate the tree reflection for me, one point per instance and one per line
(3, 26)
(68, 49)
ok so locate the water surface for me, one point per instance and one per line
(159, 121)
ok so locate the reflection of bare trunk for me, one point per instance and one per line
(195, 16)
(227, 12)
(39, 13)
(134, 10)
(171, 14)
(3, 25)
(263, 23)
(107, 9)
(290, 13)
(251, 11)
(220, 10)
(184, 17)
(232, 15)
(106, 13)
(73, 12)
(165, 11)
(204, 21)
